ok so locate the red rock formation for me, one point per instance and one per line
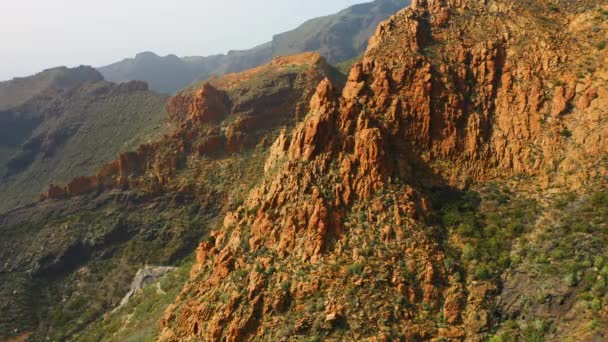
(207, 104)
(82, 185)
(449, 92)
(209, 122)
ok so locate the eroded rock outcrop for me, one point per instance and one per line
(449, 93)
(144, 278)
(220, 117)
(207, 104)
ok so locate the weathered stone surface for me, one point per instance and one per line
(144, 278)
(447, 94)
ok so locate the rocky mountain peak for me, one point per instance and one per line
(147, 55)
(446, 96)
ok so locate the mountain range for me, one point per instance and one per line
(64, 122)
(339, 37)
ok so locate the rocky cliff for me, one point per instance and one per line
(452, 187)
(214, 120)
(341, 241)
(85, 240)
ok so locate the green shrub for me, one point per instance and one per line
(241, 273)
(504, 260)
(535, 331)
(451, 218)
(516, 228)
(596, 304)
(469, 252)
(511, 324)
(466, 229)
(564, 200)
(558, 254)
(571, 280)
(482, 273)
(285, 286)
(224, 297)
(408, 276)
(541, 258)
(599, 198)
(503, 337)
(503, 198)
(270, 271)
(599, 262)
(449, 263)
(355, 268)
(599, 287)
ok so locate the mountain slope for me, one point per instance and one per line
(164, 74)
(399, 209)
(338, 37)
(151, 206)
(454, 188)
(63, 122)
(19, 90)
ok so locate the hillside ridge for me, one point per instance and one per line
(56, 125)
(339, 37)
(449, 95)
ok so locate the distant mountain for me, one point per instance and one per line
(19, 90)
(65, 122)
(164, 74)
(337, 37)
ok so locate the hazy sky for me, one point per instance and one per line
(38, 34)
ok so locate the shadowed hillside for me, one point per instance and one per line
(64, 122)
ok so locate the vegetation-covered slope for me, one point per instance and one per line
(151, 206)
(19, 90)
(337, 37)
(74, 124)
(67, 263)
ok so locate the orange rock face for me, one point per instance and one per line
(207, 104)
(448, 93)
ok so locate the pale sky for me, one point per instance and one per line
(38, 34)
